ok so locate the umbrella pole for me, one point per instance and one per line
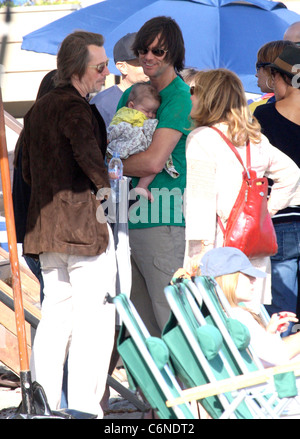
(25, 374)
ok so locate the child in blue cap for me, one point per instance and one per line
(235, 274)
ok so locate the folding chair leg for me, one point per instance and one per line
(229, 411)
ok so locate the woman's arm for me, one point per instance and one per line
(200, 200)
(201, 187)
(292, 343)
(279, 322)
(286, 177)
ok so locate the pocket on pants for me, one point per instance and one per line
(162, 264)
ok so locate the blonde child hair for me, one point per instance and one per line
(228, 284)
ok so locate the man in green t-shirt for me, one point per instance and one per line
(157, 232)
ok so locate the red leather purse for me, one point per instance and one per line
(249, 226)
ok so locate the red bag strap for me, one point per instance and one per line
(248, 159)
(221, 225)
(233, 148)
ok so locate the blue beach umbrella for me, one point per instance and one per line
(217, 33)
(101, 18)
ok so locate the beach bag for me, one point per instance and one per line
(249, 226)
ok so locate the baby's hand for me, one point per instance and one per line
(144, 192)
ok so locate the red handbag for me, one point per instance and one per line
(249, 226)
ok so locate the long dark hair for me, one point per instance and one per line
(170, 39)
(46, 85)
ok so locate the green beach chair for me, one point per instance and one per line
(196, 352)
(146, 360)
(274, 396)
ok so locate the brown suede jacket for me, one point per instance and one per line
(63, 162)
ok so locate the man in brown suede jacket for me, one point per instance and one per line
(63, 162)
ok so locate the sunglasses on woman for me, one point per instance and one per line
(100, 67)
(261, 64)
(156, 52)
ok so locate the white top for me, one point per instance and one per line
(214, 178)
(270, 348)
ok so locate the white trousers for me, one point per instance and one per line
(76, 321)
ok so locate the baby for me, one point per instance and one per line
(132, 128)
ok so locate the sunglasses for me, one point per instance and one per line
(192, 90)
(261, 64)
(100, 67)
(156, 52)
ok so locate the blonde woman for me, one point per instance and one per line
(235, 274)
(214, 175)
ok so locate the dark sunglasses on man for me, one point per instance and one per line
(100, 67)
(156, 52)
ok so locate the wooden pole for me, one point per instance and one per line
(25, 375)
(12, 243)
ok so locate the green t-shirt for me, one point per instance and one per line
(167, 207)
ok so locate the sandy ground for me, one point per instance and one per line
(119, 407)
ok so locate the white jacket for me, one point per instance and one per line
(214, 178)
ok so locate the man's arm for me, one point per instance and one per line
(154, 158)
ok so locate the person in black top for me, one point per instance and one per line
(21, 190)
(280, 122)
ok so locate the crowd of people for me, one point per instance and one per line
(160, 119)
